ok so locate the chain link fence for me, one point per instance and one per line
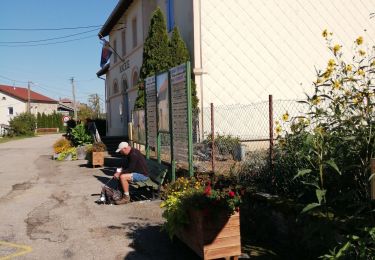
(240, 132)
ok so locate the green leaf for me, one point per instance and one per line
(315, 184)
(310, 207)
(333, 165)
(320, 194)
(301, 173)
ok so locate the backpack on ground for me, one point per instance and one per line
(109, 194)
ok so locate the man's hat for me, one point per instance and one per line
(121, 146)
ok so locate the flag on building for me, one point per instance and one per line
(106, 53)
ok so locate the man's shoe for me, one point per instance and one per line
(123, 200)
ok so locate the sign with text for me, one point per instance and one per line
(163, 104)
(179, 105)
(150, 91)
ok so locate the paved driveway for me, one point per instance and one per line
(48, 211)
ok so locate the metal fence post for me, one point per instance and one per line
(372, 164)
(270, 105)
(212, 138)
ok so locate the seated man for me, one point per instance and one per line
(136, 170)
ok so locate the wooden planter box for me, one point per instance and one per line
(212, 237)
(97, 159)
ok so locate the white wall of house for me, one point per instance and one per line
(46, 108)
(124, 73)
(251, 49)
(9, 105)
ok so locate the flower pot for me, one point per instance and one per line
(97, 159)
(81, 152)
(212, 237)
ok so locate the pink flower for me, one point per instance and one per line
(231, 194)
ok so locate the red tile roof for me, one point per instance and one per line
(21, 93)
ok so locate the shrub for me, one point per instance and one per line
(80, 136)
(225, 144)
(72, 151)
(61, 145)
(23, 124)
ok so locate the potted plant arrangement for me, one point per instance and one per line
(80, 139)
(64, 150)
(204, 215)
(96, 153)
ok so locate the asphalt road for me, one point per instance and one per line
(48, 211)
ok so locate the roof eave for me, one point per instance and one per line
(116, 14)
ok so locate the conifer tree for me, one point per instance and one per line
(179, 52)
(156, 54)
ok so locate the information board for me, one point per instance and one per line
(150, 91)
(179, 101)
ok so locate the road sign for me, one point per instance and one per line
(66, 119)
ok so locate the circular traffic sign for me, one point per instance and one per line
(66, 119)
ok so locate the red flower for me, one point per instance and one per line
(231, 194)
(207, 191)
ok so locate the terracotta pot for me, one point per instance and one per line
(212, 237)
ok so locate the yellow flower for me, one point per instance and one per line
(319, 130)
(348, 67)
(336, 84)
(331, 63)
(361, 72)
(355, 101)
(362, 52)
(285, 116)
(359, 40)
(325, 33)
(316, 100)
(278, 129)
(336, 48)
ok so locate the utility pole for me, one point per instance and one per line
(74, 99)
(28, 97)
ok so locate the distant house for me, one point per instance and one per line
(14, 101)
(66, 107)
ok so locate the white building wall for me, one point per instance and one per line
(6, 102)
(124, 69)
(45, 108)
(251, 49)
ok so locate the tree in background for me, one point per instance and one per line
(156, 52)
(48, 121)
(84, 112)
(90, 110)
(94, 104)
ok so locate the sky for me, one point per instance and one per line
(50, 65)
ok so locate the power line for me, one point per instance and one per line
(12, 79)
(55, 38)
(50, 43)
(49, 29)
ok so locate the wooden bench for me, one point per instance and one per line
(50, 130)
(156, 173)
